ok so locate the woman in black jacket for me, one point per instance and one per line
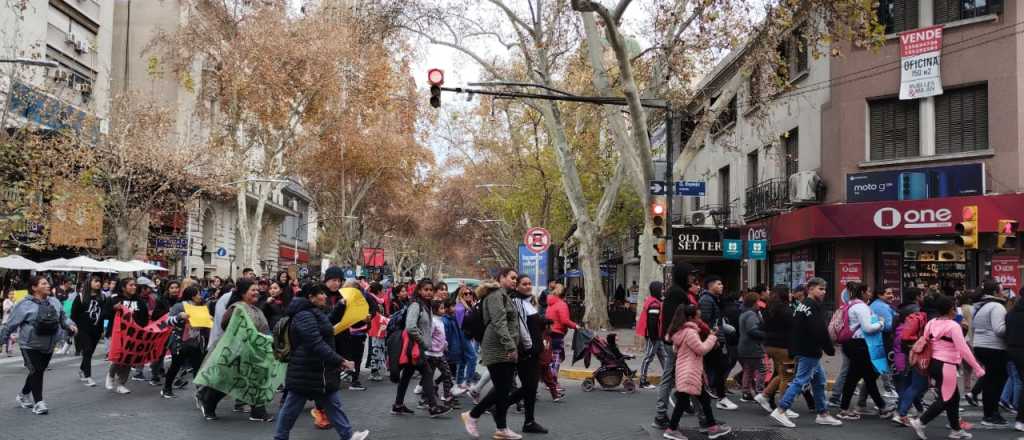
(313, 366)
(87, 313)
(127, 302)
(778, 323)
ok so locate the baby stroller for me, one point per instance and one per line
(613, 371)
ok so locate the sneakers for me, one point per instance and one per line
(238, 407)
(418, 389)
(779, 415)
(474, 395)
(660, 422)
(24, 401)
(560, 397)
(996, 421)
(827, 420)
(901, 420)
(792, 414)
(109, 383)
(375, 377)
(167, 394)
(763, 401)
(971, 399)
(647, 385)
(726, 404)
(534, 428)
(849, 415)
(180, 384)
(356, 386)
(401, 410)
(207, 413)
(470, 424)
(506, 434)
(360, 435)
(156, 382)
(438, 411)
(1006, 406)
(918, 428)
(717, 431)
(673, 434)
(121, 389)
(89, 382)
(139, 376)
(40, 408)
(1019, 426)
(263, 419)
(746, 397)
(887, 412)
(459, 390)
(960, 434)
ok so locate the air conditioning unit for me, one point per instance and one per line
(803, 187)
(702, 218)
(82, 46)
(70, 38)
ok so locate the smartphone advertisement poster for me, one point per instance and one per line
(917, 183)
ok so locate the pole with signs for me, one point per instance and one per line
(670, 136)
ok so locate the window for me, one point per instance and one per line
(793, 55)
(726, 119)
(791, 149)
(898, 15)
(961, 120)
(894, 130)
(723, 187)
(752, 164)
(953, 10)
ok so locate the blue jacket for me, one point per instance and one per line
(456, 339)
(884, 311)
(314, 366)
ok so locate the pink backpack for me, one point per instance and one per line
(839, 326)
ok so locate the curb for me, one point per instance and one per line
(581, 374)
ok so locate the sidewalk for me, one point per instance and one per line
(631, 344)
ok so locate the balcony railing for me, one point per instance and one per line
(766, 199)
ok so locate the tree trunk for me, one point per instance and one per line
(130, 239)
(595, 301)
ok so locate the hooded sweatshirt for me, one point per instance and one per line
(87, 313)
(809, 337)
(23, 321)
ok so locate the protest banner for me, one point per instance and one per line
(242, 365)
(356, 309)
(198, 316)
(132, 344)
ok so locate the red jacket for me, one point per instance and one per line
(558, 313)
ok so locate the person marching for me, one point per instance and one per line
(649, 328)
(691, 340)
(126, 301)
(39, 320)
(531, 337)
(419, 327)
(87, 313)
(558, 314)
(187, 343)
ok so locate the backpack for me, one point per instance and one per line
(921, 353)
(473, 325)
(839, 326)
(283, 339)
(47, 319)
(396, 322)
(912, 327)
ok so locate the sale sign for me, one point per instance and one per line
(131, 344)
(1006, 271)
(850, 271)
(920, 52)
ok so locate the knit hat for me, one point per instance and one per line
(334, 272)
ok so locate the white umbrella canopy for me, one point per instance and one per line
(120, 266)
(146, 267)
(54, 265)
(77, 264)
(17, 262)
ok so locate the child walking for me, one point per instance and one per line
(691, 340)
(435, 356)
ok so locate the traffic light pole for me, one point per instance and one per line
(670, 137)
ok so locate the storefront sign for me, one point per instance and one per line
(757, 232)
(891, 273)
(850, 271)
(732, 249)
(696, 241)
(757, 249)
(1006, 271)
(920, 51)
(917, 183)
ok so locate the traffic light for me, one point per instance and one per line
(968, 227)
(1007, 235)
(659, 246)
(658, 218)
(435, 77)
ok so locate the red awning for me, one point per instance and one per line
(287, 253)
(897, 218)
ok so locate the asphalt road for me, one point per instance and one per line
(77, 412)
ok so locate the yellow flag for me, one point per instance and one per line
(356, 309)
(198, 316)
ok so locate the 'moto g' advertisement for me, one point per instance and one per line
(917, 183)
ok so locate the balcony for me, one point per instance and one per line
(766, 199)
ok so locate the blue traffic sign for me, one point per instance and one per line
(732, 249)
(690, 188)
(221, 252)
(657, 188)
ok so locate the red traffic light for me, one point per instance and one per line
(657, 209)
(968, 213)
(435, 77)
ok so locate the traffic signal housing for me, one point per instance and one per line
(1007, 239)
(435, 77)
(660, 245)
(968, 227)
(659, 220)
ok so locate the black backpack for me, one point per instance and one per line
(47, 319)
(473, 325)
(283, 339)
(396, 322)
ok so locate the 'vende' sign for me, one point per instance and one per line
(920, 52)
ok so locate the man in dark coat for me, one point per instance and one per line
(313, 366)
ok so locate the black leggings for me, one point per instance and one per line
(994, 379)
(860, 368)
(529, 380)
(188, 354)
(87, 341)
(702, 405)
(354, 346)
(502, 376)
(426, 381)
(951, 406)
(36, 361)
(715, 365)
(210, 397)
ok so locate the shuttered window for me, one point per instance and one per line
(894, 129)
(898, 15)
(952, 10)
(961, 120)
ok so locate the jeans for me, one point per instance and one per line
(293, 405)
(502, 374)
(654, 348)
(951, 406)
(808, 371)
(36, 362)
(87, 342)
(467, 368)
(1011, 392)
(992, 382)
(911, 386)
(668, 381)
(837, 386)
(860, 368)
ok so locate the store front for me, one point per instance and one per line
(702, 247)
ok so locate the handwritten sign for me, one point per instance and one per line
(131, 344)
(242, 365)
(198, 316)
(357, 309)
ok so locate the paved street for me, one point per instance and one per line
(77, 411)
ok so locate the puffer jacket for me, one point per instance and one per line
(558, 314)
(501, 335)
(690, 351)
(314, 366)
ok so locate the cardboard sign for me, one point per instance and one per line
(242, 365)
(920, 52)
(198, 316)
(356, 309)
(131, 344)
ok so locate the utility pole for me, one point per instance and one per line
(670, 137)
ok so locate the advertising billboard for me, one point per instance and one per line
(917, 183)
